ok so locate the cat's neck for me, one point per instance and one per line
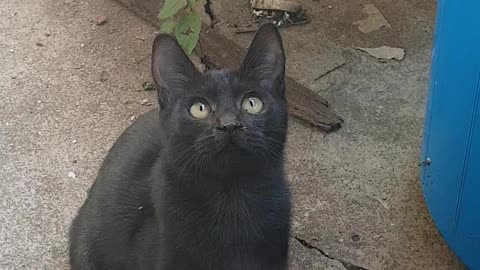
(244, 179)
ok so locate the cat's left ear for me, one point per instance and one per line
(265, 60)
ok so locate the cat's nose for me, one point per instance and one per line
(228, 123)
(230, 127)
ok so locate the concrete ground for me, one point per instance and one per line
(69, 87)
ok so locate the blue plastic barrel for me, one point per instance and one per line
(451, 152)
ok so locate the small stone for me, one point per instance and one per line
(71, 175)
(355, 238)
(13, 77)
(39, 44)
(74, 141)
(340, 240)
(82, 45)
(47, 34)
(39, 101)
(103, 76)
(313, 239)
(101, 20)
(330, 7)
(133, 118)
(140, 208)
(145, 102)
(11, 50)
(74, 161)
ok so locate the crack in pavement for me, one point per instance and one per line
(347, 265)
(209, 12)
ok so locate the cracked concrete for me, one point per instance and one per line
(358, 203)
(336, 262)
(307, 257)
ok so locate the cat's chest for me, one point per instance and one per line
(227, 219)
(236, 213)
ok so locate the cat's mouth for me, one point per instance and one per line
(231, 143)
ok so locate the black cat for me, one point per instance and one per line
(198, 184)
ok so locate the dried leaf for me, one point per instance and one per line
(374, 21)
(385, 52)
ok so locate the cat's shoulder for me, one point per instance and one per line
(147, 124)
(136, 149)
(142, 134)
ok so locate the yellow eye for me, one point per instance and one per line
(199, 110)
(252, 105)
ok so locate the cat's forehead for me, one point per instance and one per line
(220, 81)
(219, 77)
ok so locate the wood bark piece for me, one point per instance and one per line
(219, 51)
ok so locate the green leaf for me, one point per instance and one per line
(171, 7)
(167, 27)
(188, 31)
(148, 86)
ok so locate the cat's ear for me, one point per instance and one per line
(172, 70)
(265, 60)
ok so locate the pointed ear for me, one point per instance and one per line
(172, 70)
(265, 60)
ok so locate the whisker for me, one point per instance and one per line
(184, 152)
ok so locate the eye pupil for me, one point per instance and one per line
(202, 107)
(252, 102)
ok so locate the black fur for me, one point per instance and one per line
(180, 193)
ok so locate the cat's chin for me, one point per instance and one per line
(230, 150)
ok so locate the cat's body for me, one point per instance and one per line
(198, 191)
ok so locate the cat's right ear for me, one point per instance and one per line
(172, 70)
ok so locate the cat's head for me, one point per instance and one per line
(223, 119)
